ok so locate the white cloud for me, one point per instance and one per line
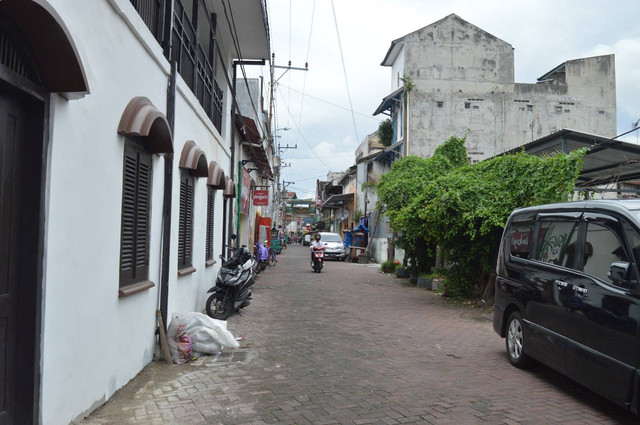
(544, 33)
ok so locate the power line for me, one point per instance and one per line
(304, 82)
(344, 70)
(304, 138)
(332, 104)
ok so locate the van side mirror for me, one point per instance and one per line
(619, 271)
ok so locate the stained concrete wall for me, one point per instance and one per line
(464, 85)
(455, 50)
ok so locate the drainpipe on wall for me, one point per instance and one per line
(239, 200)
(233, 151)
(166, 207)
(168, 166)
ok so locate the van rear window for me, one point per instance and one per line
(520, 239)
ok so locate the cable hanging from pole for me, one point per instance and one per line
(344, 70)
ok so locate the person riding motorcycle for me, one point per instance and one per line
(314, 243)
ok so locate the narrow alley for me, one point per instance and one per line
(352, 345)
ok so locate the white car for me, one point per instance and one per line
(333, 245)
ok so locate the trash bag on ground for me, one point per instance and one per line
(204, 334)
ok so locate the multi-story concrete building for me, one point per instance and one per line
(119, 152)
(463, 84)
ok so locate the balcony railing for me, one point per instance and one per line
(196, 67)
(151, 12)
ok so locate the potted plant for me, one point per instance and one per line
(425, 280)
(389, 266)
(402, 271)
(414, 274)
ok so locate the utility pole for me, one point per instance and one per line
(278, 196)
(283, 206)
(284, 184)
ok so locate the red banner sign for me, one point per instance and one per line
(260, 198)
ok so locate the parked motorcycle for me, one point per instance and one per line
(232, 290)
(317, 258)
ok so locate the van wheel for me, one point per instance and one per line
(515, 341)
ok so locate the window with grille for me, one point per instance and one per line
(151, 13)
(195, 52)
(185, 234)
(136, 208)
(209, 243)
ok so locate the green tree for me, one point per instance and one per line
(385, 132)
(463, 208)
(408, 179)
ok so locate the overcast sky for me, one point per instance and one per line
(344, 51)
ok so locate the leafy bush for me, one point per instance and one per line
(385, 132)
(389, 266)
(463, 208)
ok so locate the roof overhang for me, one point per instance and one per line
(250, 27)
(549, 75)
(390, 153)
(56, 55)
(252, 140)
(337, 201)
(392, 53)
(389, 101)
(607, 160)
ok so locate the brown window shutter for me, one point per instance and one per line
(136, 205)
(185, 237)
(210, 205)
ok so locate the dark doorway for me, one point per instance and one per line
(21, 162)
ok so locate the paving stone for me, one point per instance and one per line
(351, 346)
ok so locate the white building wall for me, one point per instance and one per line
(188, 293)
(93, 342)
(398, 71)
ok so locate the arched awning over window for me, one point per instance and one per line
(193, 159)
(229, 188)
(216, 176)
(141, 118)
(57, 58)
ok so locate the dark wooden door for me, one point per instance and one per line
(21, 149)
(12, 122)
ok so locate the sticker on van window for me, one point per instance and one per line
(554, 239)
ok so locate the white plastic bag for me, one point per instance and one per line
(179, 340)
(216, 328)
(204, 341)
(204, 335)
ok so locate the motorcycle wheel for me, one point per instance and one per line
(219, 306)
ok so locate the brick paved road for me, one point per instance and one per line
(354, 346)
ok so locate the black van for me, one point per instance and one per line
(568, 294)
